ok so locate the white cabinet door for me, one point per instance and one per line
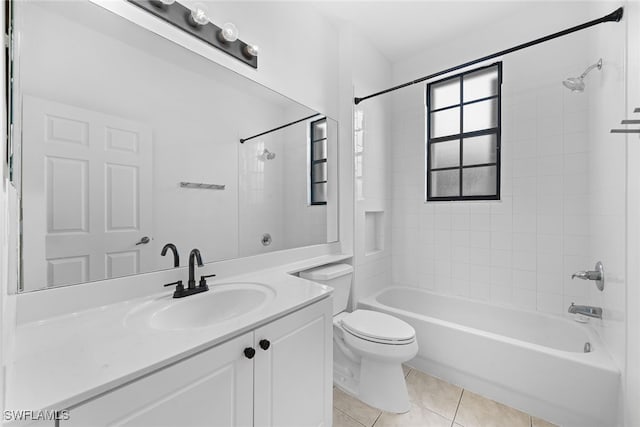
(212, 388)
(293, 381)
(86, 195)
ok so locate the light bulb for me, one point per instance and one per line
(162, 3)
(229, 32)
(199, 14)
(251, 50)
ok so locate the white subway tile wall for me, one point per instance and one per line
(563, 184)
(521, 250)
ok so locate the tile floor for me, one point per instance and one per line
(434, 403)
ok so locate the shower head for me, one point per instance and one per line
(267, 155)
(576, 84)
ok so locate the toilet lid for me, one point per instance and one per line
(378, 327)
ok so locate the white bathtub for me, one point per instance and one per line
(529, 360)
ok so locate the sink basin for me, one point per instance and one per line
(222, 303)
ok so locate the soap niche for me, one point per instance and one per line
(373, 232)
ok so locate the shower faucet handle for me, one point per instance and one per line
(587, 275)
(597, 275)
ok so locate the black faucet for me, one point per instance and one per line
(176, 257)
(181, 291)
(193, 256)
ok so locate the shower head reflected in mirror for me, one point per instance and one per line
(267, 155)
(576, 84)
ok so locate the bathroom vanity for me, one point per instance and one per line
(252, 379)
(117, 364)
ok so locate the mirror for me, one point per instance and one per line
(129, 142)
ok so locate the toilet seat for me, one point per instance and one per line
(378, 327)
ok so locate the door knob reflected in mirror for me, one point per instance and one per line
(143, 241)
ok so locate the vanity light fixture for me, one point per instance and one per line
(228, 33)
(199, 15)
(251, 51)
(196, 21)
(162, 3)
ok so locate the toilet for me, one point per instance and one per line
(369, 346)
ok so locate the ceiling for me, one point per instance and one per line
(401, 28)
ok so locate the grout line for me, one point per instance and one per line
(457, 407)
(348, 416)
(377, 418)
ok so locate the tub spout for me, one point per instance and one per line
(586, 310)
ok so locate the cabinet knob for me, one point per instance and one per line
(249, 352)
(264, 344)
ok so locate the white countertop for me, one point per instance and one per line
(64, 360)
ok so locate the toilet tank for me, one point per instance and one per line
(338, 276)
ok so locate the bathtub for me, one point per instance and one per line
(528, 360)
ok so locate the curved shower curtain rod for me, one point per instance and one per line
(614, 16)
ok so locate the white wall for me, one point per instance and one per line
(632, 371)
(372, 72)
(292, 37)
(298, 49)
(520, 249)
(607, 179)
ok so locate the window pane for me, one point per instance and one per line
(319, 172)
(358, 166)
(445, 154)
(481, 149)
(445, 183)
(359, 141)
(319, 193)
(480, 115)
(320, 150)
(359, 189)
(445, 122)
(319, 130)
(358, 119)
(445, 94)
(480, 84)
(479, 181)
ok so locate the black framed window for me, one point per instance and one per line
(318, 162)
(463, 135)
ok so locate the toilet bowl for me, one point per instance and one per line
(369, 346)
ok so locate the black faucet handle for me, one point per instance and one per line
(179, 283)
(203, 279)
